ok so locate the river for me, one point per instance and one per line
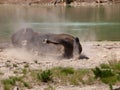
(89, 23)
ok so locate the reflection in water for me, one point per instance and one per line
(86, 22)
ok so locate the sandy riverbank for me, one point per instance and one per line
(98, 52)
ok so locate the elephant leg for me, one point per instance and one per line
(68, 52)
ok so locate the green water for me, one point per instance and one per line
(86, 22)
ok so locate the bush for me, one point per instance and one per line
(11, 81)
(108, 73)
(45, 76)
(109, 80)
(26, 84)
(105, 66)
(102, 72)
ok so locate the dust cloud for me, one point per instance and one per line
(45, 20)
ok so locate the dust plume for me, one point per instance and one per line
(46, 20)
(88, 35)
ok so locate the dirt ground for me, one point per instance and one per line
(98, 52)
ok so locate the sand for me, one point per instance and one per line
(98, 52)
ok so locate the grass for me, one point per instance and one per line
(24, 71)
(50, 88)
(15, 65)
(25, 84)
(62, 75)
(70, 76)
(57, 75)
(67, 70)
(45, 76)
(10, 82)
(106, 73)
(26, 65)
(21, 81)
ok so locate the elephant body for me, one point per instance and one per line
(47, 43)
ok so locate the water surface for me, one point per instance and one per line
(85, 22)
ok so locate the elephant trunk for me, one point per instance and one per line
(77, 47)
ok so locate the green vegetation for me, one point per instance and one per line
(106, 73)
(26, 65)
(11, 81)
(45, 76)
(68, 75)
(50, 88)
(67, 70)
(15, 65)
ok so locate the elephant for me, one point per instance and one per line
(47, 42)
(71, 44)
